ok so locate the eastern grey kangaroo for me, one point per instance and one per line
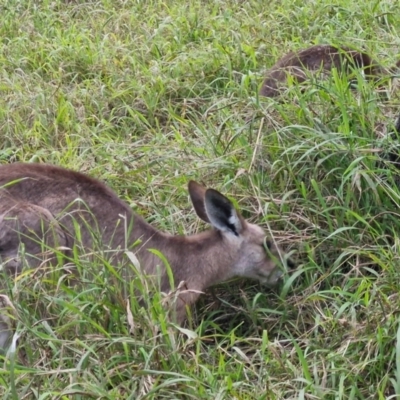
(43, 204)
(319, 58)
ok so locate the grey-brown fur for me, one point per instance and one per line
(41, 201)
(313, 59)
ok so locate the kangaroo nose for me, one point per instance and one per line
(290, 264)
(278, 272)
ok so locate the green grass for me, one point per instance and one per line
(147, 95)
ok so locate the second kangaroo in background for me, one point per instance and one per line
(314, 59)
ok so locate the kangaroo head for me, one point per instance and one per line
(245, 246)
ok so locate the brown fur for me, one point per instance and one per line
(38, 204)
(316, 58)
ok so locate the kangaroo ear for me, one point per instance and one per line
(197, 195)
(221, 213)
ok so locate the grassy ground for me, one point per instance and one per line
(146, 95)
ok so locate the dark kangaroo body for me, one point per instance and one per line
(313, 59)
(45, 204)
